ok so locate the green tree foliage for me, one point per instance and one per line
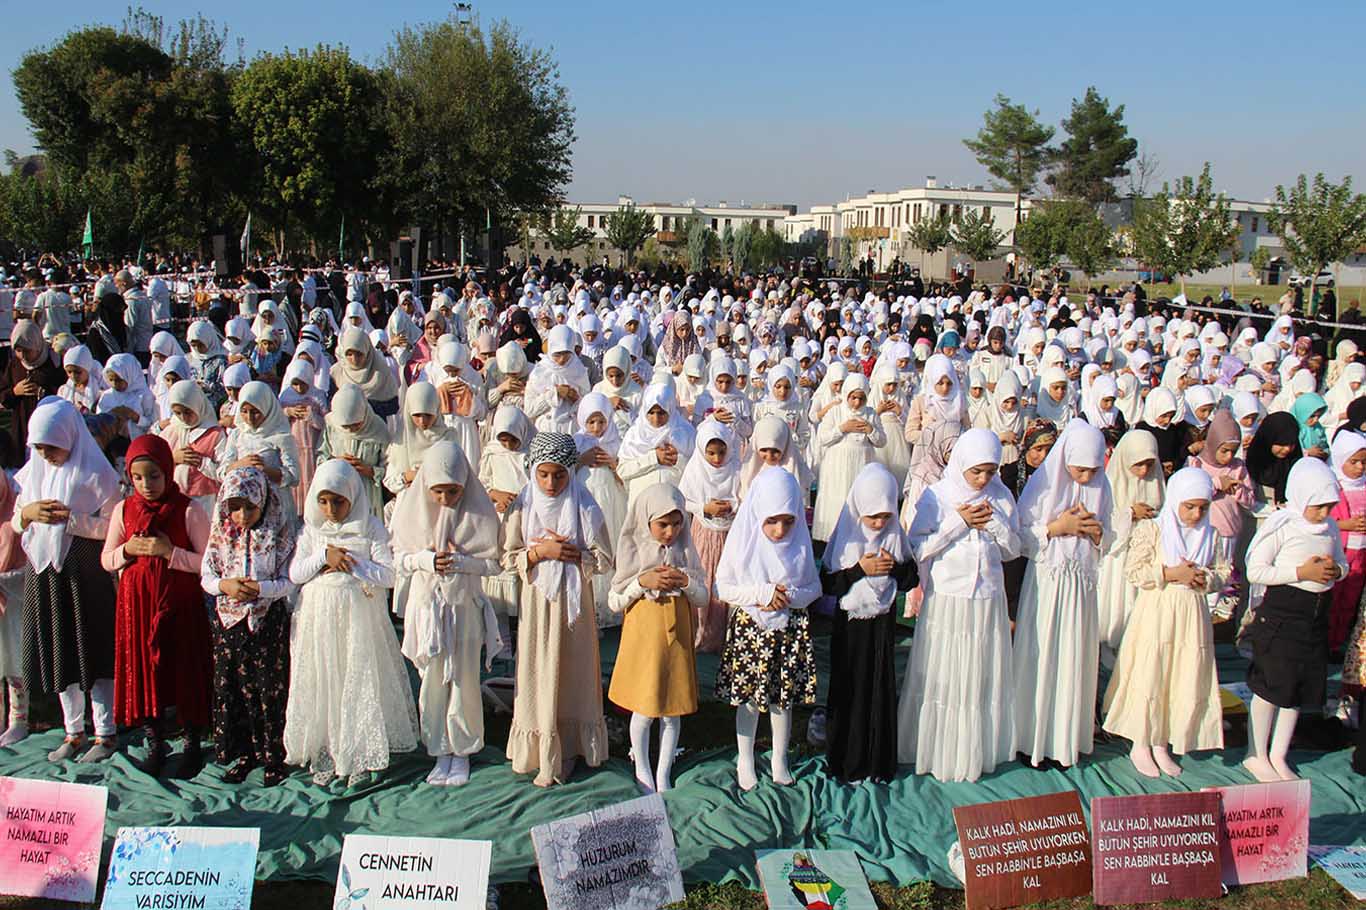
(703, 244)
(1013, 146)
(1096, 152)
(1185, 228)
(1319, 224)
(1066, 227)
(769, 248)
(931, 234)
(1091, 245)
(846, 255)
(312, 118)
(1259, 260)
(628, 230)
(563, 231)
(728, 245)
(476, 122)
(742, 247)
(975, 235)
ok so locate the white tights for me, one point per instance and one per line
(101, 707)
(659, 779)
(1270, 730)
(746, 726)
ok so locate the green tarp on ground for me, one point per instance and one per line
(902, 830)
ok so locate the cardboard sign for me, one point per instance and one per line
(814, 880)
(51, 844)
(1024, 851)
(388, 873)
(1156, 847)
(1347, 865)
(1264, 832)
(620, 857)
(202, 868)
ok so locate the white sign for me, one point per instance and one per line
(619, 858)
(389, 873)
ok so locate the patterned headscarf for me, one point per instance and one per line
(260, 552)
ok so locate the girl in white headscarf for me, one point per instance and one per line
(783, 401)
(128, 395)
(198, 444)
(1057, 399)
(768, 572)
(356, 435)
(261, 438)
(722, 401)
(711, 488)
(67, 494)
(503, 473)
(1065, 526)
(84, 379)
(350, 705)
(941, 400)
(978, 400)
(506, 377)
(956, 719)
(463, 403)
(622, 391)
(445, 543)
(556, 384)
(1007, 420)
(303, 405)
(866, 562)
(772, 445)
(849, 437)
(358, 363)
(1135, 475)
(658, 445)
(891, 404)
(691, 384)
(1341, 394)
(422, 428)
(1165, 688)
(598, 442)
(556, 541)
(659, 586)
(1297, 556)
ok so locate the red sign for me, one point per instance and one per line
(1156, 847)
(1024, 851)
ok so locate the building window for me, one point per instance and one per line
(590, 220)
(986, 211)
(958, 212)
(713, 224)
(727, 222)
(770, 224)
(1254, 224)
(916, 220)
(602, 222)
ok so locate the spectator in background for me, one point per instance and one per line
(160, 294)
(52, 311)
(137, 316)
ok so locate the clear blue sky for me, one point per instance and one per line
(806, 102)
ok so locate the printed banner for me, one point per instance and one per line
(621, 857)
(1347, 865)
(814, 880)
(1156, 847)
(1264, 831)
(389, 873)
(53, 833)
(1024, 851)
(182, 869)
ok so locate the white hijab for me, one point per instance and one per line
(874, 492)
(1181, 543)
(750, 558)
(1051, 490)
(643, 437)
(702, 482)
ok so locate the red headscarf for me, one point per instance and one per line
(140, 515)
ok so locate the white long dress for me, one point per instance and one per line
(956, 715)
(843, 455)
(895, 453)
(350, 705)
(1057, 653)
(1115, 596)
(503, 469)
(610, 494)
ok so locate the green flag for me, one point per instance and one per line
(245, 241)
(88, 240)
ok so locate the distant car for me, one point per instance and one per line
(1323, 279)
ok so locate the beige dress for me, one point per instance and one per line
(557, 713)
(1165, 689)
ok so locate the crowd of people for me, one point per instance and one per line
(216, 526)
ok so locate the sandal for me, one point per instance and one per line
(68, 749)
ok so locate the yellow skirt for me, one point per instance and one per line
(656, 671)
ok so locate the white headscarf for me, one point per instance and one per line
(948, 408)
(1051, 490)
(352, 533)
(1310, 483)
(1104, 386)
(1346, 444)
(874, 492)
(610, 440)
(642, 437)
(1181, 543)
(702, 482)
(750, 558)
(83, 483)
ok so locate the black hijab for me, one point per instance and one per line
(520, 328)
(1267, 470)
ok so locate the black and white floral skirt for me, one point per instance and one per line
(767, 669)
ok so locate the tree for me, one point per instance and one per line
(931, 234)
(1184, 229)
(1043, 236)
(478, 124)
(1095, 153)
(313, 121)
(742, 247)
(563, 231)
(975, 235)
(1142, 174)
(628, 230)
(846, 255)
(728, 245)
(702, 244)
(768, 248)
(1013, 146)
(1091, 245)
(1320, 224)
(1259, 260)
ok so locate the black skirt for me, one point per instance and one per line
(69, 621)
(1289, 642)
(861, 715)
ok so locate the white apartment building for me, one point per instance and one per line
(669, 217)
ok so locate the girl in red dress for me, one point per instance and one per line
(162, 654)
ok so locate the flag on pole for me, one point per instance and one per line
(341, 238)
(246, 239)
(140, 242)
(88, 239)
